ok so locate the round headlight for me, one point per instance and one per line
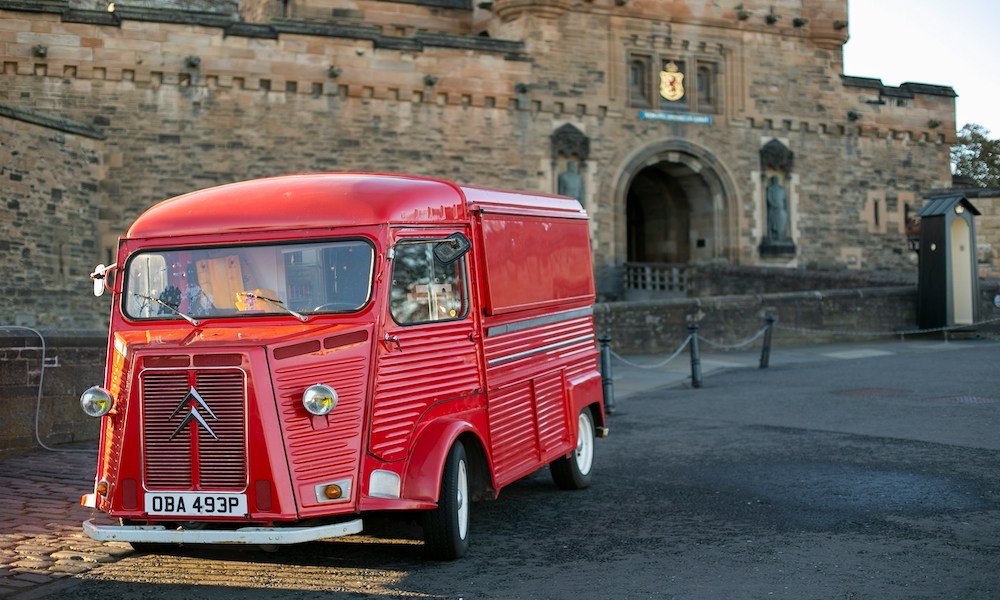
(319, 399)
(96, 401)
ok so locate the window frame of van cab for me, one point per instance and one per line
(464, 273)
(282, 245)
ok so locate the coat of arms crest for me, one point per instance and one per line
(671, 82)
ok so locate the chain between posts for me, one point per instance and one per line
(767, 331)
(900, 333)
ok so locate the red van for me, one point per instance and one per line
(290, 353)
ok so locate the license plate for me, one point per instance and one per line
(196, 504)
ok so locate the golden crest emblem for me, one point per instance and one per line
(671, 82)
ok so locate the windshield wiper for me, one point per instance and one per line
(254, 296)
(171, 307)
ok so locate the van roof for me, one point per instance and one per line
(313, 200)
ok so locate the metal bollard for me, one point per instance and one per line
(695, 356)
(604, 343)
(765, 351)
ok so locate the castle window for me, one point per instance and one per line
(664, 82)
(706, 93)
(638, 80)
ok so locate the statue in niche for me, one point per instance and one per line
(777, 211)
(570, 183)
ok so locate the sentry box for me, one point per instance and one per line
(291, 353)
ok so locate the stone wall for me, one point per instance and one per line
(74, 361)
(180, 100)
(722, 280)
(804, 317)
(987, 201)
(50, 219)
(653, 327)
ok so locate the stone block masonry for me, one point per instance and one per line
(112, 112)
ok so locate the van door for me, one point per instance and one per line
(427, 358)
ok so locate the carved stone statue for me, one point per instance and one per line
(777, 211)
(570, 183)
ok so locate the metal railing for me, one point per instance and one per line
(656, 279)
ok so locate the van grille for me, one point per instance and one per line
(194, 429)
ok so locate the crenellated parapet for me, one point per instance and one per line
(156, 47)
(367, 51)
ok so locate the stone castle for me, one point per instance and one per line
(695, 132)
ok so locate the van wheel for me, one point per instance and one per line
(573, 472)
(446, 528)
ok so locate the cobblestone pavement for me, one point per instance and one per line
(40, 515)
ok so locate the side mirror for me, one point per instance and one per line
(452, 248)
(100, 276)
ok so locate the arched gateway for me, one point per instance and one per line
(678, 203)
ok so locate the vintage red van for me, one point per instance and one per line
(288, 354)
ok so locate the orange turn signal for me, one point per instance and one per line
(333, 491)
(102, 488)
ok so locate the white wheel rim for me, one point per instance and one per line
(462, 492)
(585, 445)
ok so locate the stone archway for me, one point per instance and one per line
(674, 205)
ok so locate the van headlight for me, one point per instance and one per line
(96, 401)
(319, 399)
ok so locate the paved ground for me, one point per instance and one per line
(40, 516)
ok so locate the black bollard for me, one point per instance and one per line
(695, 356)
(604, 342)
(765, 351)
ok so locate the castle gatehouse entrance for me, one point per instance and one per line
(676, 209)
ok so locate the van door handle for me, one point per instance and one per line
(389, 340)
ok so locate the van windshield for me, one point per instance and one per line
(230, 281)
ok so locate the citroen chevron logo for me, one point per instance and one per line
(192, 401)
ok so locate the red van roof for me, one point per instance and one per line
(314, 200)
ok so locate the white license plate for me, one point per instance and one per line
(196, 504)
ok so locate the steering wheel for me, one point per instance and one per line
(341, 305)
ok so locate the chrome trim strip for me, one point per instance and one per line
(546, 320)
(512, 357)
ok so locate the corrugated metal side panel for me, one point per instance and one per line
(322, 449)
(536, 350)
(550, 408)
(512, 430)
(432, 362)
(527, 367)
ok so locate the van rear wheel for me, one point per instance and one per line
(573, 472)
(446, 528)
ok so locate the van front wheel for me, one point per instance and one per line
(573, 472)
(446, 528)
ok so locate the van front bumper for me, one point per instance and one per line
(158, 534)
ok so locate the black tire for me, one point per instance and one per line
(446, 528)
(573, 472)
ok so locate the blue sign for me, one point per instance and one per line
(659, 115)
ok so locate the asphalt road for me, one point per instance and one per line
(874, 476)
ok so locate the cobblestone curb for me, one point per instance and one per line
(41, 540)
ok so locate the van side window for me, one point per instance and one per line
(423, 288)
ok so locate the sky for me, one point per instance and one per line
(954, 43)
